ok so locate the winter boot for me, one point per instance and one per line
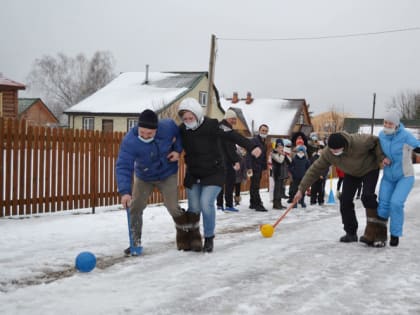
(393, 241)
(208, 244)
(348, 238)
(237, 200)
(381, 234)
(194, 233)
(183, 228)
(370, 231)
(276, 204)
(135, 252)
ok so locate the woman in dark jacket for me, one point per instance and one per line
(205, 172)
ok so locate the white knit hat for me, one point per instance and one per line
(230, 113)
(191, 105)
(392, 116)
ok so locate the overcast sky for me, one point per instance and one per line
(175, 35)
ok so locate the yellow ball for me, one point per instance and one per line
(267, 230)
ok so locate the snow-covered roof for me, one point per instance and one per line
(278, 114)
(10, 83)
(128, 93)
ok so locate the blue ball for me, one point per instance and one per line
(85, 262)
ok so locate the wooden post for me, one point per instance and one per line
(211, 74)
(373, 114)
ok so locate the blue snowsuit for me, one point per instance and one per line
(398, 177)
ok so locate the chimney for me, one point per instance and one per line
(235, 98)
(146, 80)
(249, 98)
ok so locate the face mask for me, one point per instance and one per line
(146, 140)
(300, 154)
(263, 136)
(389, 131)
(337, 153)
(191, 125)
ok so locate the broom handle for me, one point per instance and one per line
(284, 214)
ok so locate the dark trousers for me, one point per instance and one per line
(339, 182)
(237, 189)
(318, 191)
(369, 198)
(278, 192)
(227, 189)
(254, 189)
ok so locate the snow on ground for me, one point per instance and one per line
(302, 269)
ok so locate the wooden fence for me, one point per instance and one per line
(45, 170)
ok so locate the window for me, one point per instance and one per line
(131, 122)
(88, 123)
(202, 98)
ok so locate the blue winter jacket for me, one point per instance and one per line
(148, 160)
(398, 148)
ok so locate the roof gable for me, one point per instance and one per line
(279, 114)
(25, 103)
(5, 82)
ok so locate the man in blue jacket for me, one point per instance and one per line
(151, 151)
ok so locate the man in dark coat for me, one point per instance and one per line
(359, 157)
(231, 159)
(257, 166)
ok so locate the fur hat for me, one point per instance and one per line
(230, 113)
(336, 141)
(392, 116)
(148, 119)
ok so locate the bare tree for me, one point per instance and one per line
(405, 103)
(63, 81)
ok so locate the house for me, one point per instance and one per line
(328, 122)
(35, 112)
(282, 116)
(9, 97)
(116, 106)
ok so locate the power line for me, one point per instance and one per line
(408, 29)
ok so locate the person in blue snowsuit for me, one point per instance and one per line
(398, 175)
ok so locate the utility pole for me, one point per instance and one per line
(373, 114)
(211, 73)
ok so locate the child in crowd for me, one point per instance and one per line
(297, 168)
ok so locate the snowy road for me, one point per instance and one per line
(302, 269)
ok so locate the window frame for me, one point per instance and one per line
(134, 121)
(85, 124)
(203, 98)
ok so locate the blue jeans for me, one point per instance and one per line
(202, 199)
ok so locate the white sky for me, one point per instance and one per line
(175, 35)
(302, 269)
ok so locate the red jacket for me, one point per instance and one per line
(340, 173)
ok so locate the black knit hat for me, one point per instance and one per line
(336, 141)
(148, 119)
